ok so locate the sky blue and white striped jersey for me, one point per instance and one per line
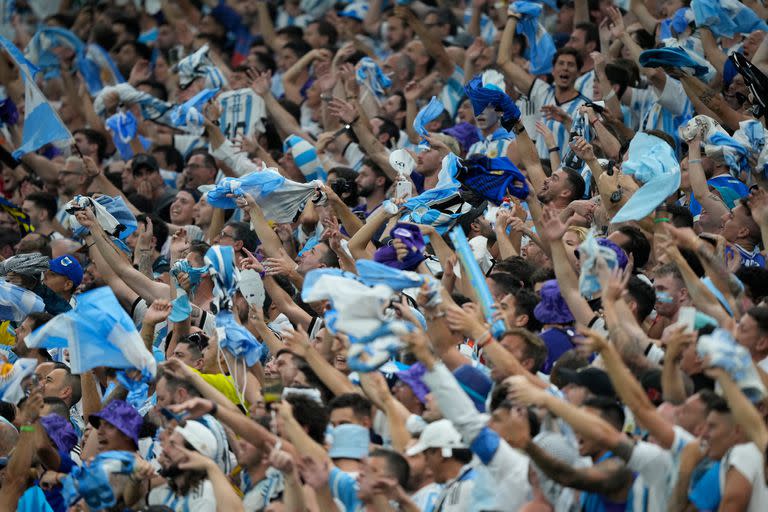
(543, 94)
(493, 146)
(487, 28)
(453, 91)
(242, 113)
(585, 83)
(666, 112)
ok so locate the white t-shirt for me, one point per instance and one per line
(201, 498)
(747, 460)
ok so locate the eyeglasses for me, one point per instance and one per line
(224, 234)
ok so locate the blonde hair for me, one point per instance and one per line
(581, 233)
(449, 141)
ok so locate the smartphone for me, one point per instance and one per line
(402, 189)
(687, 317)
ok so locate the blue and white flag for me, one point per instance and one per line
(426, 115)
(188, 113)
(370, 75)
(726, 18)
(42, 124)
(17, 302)
(305, 157)
(123, 127)
(360, 312)
(239, 341)
(675, 56)
(199, 65)
(440, 206)
(373, 273)
(735, 153)
(541, 46)
(11, 378)
(112, 214)
(723, 351)
(222, 264)
(242, 113)
(92, 61)
(279, 198)
(91, 480)
(653, 163)
(97, 332)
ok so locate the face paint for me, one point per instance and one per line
(664, 298)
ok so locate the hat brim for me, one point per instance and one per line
(416, 449)
(95, 420)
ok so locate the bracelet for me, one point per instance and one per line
(27, 428)
(214, 409)
(356, 119)
(554, 149)
(660, 220)
(484, 339)
(694, 161)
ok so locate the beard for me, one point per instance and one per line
(365, 192)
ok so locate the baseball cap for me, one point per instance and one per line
(439, 434)
(69, 267)
(356, 11)
(350, 442)
(201, 439)
(144, 161)
(594, 379)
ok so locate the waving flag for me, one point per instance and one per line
(123, 127)
(221, 260)
(280, 198)
(373, 78)
(98, 332)
(675, 56)
(41, 122)
(723, 351)
(726, 18)
(199, 65)
(440, 206)
(426, 115)
(112, 214)
(91, 60)
(239, 341)
(358, 311)
(11, 377)
(305, 157)
(653, 163)
(17, 302)
(188, 113)
(541, 46)
(91, 480)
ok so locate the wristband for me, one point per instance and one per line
(660, 220)
(484, 339)
(27, 428)
(694, 161)
(554, 149)
(214, 409)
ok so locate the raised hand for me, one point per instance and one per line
(145, 233)
(297, 341)
(194, 407)
(281, 460)
(583, 149)
(315, 473)
(261, 83)
(552, 228)
(158, 312)
(556, 113)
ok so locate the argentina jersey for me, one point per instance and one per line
(585, 84)
(242, 113)
(671, 109)
(543, 94)
(453, 91)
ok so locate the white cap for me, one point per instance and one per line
(200, 437)
(438, 434)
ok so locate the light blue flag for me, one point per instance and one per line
(123, 127)
(373, 273)
(429, 207)
(42, 124)
(34, 500)
(734, 152)
(541, 46)
(10, 381)
(726, 18)
(370, 75)
(426, 115)
(199, 65)
(281, 199)
(221, 260)
(188, 113)
(17, 302)
(239, 341)
(97, 332)
(114, 206)
(681, 58)
(91, 480)
(723, 351)
(653, 163)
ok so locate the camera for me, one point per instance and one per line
(341, 186)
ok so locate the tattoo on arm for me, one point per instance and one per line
(145, 263)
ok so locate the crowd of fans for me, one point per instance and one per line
(440, 255)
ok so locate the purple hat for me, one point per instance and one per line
(552, 308)
(474, 383)
(410, 235)
(465, 133)
(60, 431)
(621, 256)
(121, 415)
(413, 378)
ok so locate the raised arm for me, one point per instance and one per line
(515, 73)
(432, 44)
(644, 16)
(745, 413)
(710, 201)
(337, 382)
